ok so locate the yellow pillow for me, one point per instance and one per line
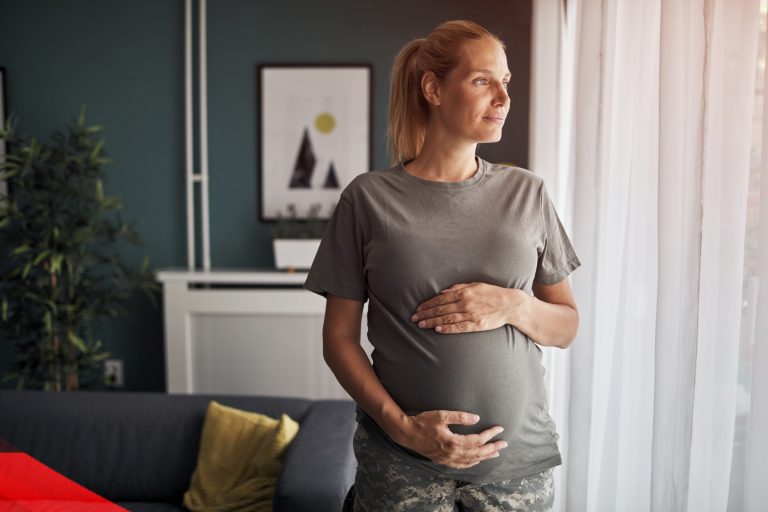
(239, 460)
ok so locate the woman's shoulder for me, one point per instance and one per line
(513, 174)
(367, 182)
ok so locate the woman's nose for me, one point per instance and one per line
(501, 97)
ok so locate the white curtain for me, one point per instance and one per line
(647, 154)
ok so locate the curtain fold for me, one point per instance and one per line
(729, 85)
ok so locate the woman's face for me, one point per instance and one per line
(473, 99)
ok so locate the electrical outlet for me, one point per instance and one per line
(113, 373)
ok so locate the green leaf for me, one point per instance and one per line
(81, 118)
(111, 203)
(21, 249)
(56, 263)
(99, 191)
(97, 148)
(27, 267)
(51, 304)
(101, 356)
(41, 256)
(77, 341)
(5, 309)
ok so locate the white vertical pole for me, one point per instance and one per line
(204, 141)
(188, 134)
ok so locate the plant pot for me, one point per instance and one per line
(295, 252)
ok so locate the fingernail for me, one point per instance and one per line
(495, 455)
(500, 430)
(504, 444)
(422, 323)
(413, 318)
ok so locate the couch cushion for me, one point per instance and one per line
(239, 460)
(123, 446)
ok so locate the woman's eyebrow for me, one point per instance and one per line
(487, 71)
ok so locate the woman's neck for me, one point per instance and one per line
(444, 163)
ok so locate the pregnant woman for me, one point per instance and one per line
(464, 264)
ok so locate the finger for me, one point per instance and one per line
(462, 326)
(486, 451)
(438, 300)
(458, 417)
(476, 455)
(476, 459)
(456, 286)
(471, 459)
(476, 440)
(432, 313)
(446, 318)
(489, 433)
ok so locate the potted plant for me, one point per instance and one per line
(295, 242)
(59, 271)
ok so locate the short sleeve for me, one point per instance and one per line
(339, 264)
(557, 258)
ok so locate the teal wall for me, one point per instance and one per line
(124, 59)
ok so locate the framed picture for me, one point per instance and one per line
(315, 135)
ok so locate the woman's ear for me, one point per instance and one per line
(430, 88)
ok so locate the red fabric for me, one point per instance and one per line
(27, 485)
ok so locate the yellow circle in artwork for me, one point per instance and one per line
(325, 122)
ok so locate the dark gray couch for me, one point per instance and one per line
(139, 449)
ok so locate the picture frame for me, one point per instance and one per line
(315, 136)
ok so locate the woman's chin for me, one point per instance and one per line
(496, 137)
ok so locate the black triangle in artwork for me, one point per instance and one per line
(331, 181)
(305, 164)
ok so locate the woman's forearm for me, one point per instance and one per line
(547, 324)
(349, 363)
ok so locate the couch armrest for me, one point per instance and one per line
(319, 465)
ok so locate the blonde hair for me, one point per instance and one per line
(408, 109)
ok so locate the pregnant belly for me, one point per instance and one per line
(495, 374)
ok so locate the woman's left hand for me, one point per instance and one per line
(467, 307)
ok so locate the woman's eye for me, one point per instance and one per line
(481, 80)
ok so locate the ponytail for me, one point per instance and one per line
(408, 109)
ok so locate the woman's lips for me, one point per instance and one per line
(495, 119)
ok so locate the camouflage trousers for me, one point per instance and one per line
(385, 482)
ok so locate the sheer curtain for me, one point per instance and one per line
(645, 144)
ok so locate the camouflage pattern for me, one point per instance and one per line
(386, 483)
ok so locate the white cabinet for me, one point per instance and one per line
(246, 332)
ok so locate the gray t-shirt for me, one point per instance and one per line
(397, 240)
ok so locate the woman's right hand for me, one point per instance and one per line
(427, 433)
